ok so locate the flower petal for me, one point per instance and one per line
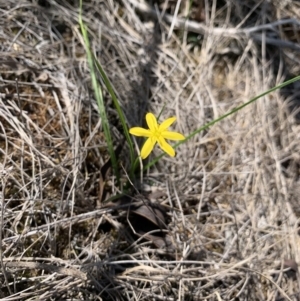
(166, 147)
(140, 132)
(151, 122)
(172, 135)
(147, 147)
(166, 124)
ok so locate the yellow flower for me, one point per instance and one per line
(156, 133)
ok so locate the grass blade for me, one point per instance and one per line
(98, 96)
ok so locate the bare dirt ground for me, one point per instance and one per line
(223, 218)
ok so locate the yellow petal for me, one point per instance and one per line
(147, 147)
(166, 147)
(137, 131)
(172, 135)
(151, 122)
(166, 124)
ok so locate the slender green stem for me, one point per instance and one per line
(286, 83)
(161, 111)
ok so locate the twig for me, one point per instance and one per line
(201, 28)
(47, 267)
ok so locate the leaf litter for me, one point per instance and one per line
(225, 226)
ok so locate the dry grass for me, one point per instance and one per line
(230, 197)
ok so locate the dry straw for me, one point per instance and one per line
(228, 201)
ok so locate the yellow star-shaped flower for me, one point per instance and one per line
(156, 133)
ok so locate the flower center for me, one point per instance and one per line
(156, 133)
